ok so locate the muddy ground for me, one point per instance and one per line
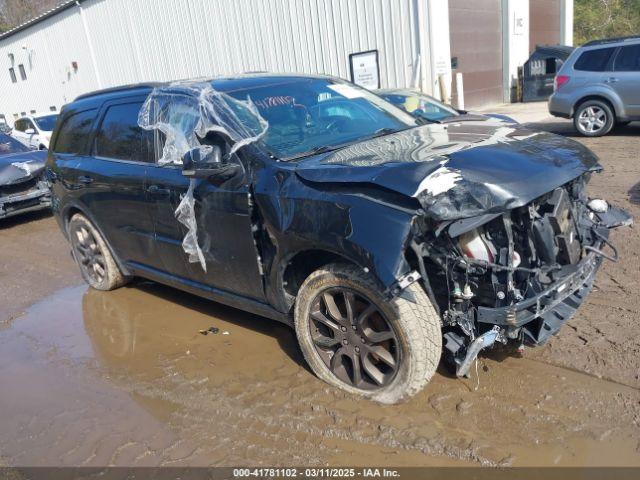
(124, 377)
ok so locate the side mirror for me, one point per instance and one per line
(30, 131)
(207, 164)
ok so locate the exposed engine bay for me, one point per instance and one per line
(516, 276)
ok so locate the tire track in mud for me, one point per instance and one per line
(228, 399)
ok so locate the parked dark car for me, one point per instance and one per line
(311, 201)
(22, 186)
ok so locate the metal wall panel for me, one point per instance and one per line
(47, 52)
(142, 40)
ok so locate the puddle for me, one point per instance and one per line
(125, 378)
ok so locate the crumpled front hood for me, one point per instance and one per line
(458, 170)
(22, 166)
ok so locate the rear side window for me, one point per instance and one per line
(594, 60)
(74, 132)
(121, 138)
(628, 59)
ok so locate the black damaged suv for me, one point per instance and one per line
(311, 201)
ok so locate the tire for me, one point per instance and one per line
(91, 253)
(410, 318)
(594, 118)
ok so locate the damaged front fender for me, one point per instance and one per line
(366, 229)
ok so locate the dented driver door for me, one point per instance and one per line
(224, 231)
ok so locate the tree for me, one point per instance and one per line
(596, 19)
(16, 12)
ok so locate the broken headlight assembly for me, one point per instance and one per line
(515, 276)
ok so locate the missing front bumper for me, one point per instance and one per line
(25, 202)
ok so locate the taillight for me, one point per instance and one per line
(559, 81)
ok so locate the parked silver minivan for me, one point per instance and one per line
(599, 86)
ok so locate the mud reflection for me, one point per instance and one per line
(137, 325)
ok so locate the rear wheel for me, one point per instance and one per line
(355, 339)
(594, 118)
(92, 255)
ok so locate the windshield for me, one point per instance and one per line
(309, 115)
(10, 145)
(420, 105)
(47, 122)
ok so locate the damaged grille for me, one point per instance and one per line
(555, 233)
(509, 258)
(516, 275)
(19, 188)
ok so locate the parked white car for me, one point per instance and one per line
(34, 131)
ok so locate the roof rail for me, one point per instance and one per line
(120, 88)
(605, 41)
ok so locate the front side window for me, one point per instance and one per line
(628, 59)
(594, 60)
(46, 123)
(19, 125)
(74, 132)
(121, 138)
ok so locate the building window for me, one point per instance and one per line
(23, 74)
(52, 108)
(12, 73)
(32, 112)
(16, 116)
(23, 114)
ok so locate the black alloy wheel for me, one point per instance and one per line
(354, 339)
(89, 254)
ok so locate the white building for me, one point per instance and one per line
(85, 45)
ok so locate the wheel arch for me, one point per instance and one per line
(600, 97)
(296, 267)
(70, 211)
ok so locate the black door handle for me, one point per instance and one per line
(85, 179)
(158, 190)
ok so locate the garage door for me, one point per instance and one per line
(476, 49)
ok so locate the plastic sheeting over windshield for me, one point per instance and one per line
(186, 113)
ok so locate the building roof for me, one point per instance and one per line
(43, 16)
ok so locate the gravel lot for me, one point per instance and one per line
(124, 377)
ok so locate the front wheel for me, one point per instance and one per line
(594, 118)
(355, 339)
